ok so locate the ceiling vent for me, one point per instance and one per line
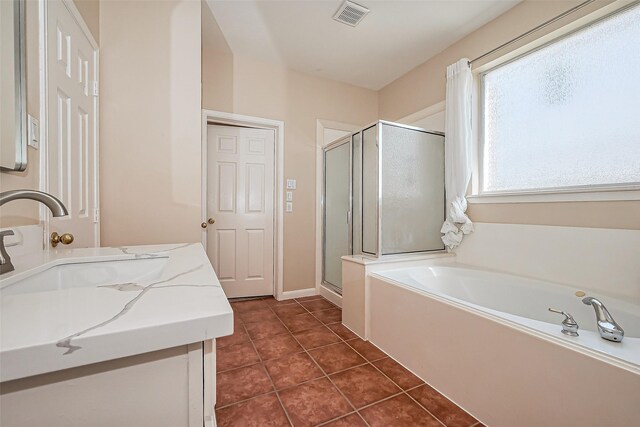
(350, 13)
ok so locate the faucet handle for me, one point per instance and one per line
(5, 260)
(569, 325)
(6, 233)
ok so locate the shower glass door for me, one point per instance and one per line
(336, 211)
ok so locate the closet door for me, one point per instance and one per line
(336, 211)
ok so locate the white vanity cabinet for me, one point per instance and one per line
(111, 337)
(166, 388)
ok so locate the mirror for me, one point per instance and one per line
(13, 108)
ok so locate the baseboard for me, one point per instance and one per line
(357, 334)
(300, 293)
(331, 295)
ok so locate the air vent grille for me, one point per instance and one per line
(350, 13)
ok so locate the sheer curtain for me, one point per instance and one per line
(457, 152)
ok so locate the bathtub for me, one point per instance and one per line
(487, 341)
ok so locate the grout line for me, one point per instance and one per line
(341, 417)
(243, 400)
(403, 391)
(229, 345)
(316, 363)
(415, 386)
(264, 367)
(325, 374)
(324, 423)
(429, 412)
(261, 362)
(362, 418)
(237, 367)
(283, 302)
(320, 367)
(368, 405)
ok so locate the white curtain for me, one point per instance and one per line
(457, 152)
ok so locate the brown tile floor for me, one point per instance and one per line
(292, 363)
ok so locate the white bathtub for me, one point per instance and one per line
(488, 342)
(525, 302)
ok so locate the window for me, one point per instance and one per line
(567, 115)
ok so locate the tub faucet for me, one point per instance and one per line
(608, 328)
(56, 207)
(569, 325)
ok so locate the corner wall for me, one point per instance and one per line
(150, 122)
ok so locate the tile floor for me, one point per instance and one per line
(292, 363)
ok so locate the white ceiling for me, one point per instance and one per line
(393, 38)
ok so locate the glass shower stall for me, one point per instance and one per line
(383, 194)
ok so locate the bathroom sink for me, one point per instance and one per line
(74, 307)
(126, 275)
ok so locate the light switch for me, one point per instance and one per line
(33, 132)
(289, 207)
(291, 184)
(289, 196)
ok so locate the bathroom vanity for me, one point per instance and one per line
(111, 337)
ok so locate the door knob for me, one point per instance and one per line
(203, 225)
(209, 221)
(65, 239)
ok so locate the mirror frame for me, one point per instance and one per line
(20, 161)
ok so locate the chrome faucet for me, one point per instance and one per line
(56, 207)
(608, 328)
(569, 325)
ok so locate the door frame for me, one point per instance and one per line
(44, 116)
(211, 117)
(320, 145)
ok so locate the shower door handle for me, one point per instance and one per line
(348, 217)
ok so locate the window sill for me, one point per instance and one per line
(555, 195)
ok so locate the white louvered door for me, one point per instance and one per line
(72, 124)
(240, 198)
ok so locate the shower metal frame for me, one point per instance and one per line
(379, 144)
(338, 143)
(379, 198)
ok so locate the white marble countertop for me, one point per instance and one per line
(46, 330)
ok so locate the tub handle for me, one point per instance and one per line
(569, 325)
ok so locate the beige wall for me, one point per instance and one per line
(242, 85)
(90, 11)
(150, 122)
(217, 65)
(24, 212)
(425, 86)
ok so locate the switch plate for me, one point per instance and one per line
(33, 132)
(291, 184)
(289, 207)
(289, 196)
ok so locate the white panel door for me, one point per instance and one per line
(240, 198)
(72, 124)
